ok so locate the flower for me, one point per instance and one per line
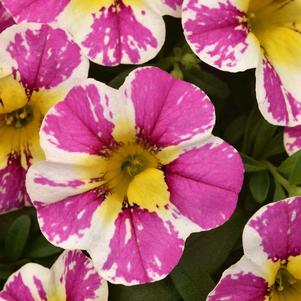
(271, 266)
(235, 35)
(5, 18)
(72, 277)
(110, 32)
(133, 173)
(292, 139)
(38, 66)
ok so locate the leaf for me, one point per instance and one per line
(260, 185)
(291, 168)
(264, 134)
(192, 284)
(235, 129)
(16, 237)
(158, 291)
(279, 193)
(208, 82)
(207, 251)
(252, 165)
(40, 247)
(119, 79)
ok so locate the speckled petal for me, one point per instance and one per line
(292, 139)
(77, 279)
(274, 232)
(6, 19)
(243, 281)
(204, 183)
(41, 56)
(168, 112)
(218, 33)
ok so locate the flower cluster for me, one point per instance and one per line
(127, 174)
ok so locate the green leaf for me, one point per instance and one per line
(158, 291)
(119, 79)
(279, 193)
(264, 134)
(260, 185)
(208, 82)
(252, 165)
(40, 247)
(207, 251)
(192, 283)
(291, 168)
(16, 237)
(235, 129)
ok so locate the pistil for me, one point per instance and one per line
(20, 117)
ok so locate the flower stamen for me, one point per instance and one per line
(19, 118)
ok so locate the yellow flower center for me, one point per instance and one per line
(19, 118)
(133, 176)
(286, 286)
(277, 26)
(124, 163)
(284, 280)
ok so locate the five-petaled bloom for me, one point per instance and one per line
(133, 173)
(72, 277)
(271, 266)
(235, 35)
(110, 32)
(38, 66)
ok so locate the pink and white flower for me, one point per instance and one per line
(235, 35)
(132, 173)
(38, 66)
(271, 266)
(6, 19)
(110, 32)
(72, 277)
(292, 139)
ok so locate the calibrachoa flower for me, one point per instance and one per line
(292, 139)
(72, 277)
(133, 173)
(235, 35)
(271, 266)
(110, 32)
(5, 18)
(38, 66)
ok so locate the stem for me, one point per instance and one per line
(292, 190)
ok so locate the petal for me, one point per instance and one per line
(292, 139)
(243, 281)
(276, 102)
(12, 95)
(148, 190)
(143, 248)
(168, 112)
(204, 183)
(274, 232)
(31, 283)
(133, 35)
(13, 193)
(6, 19)
(35, 10)
(166, 7)
(218, 33)
(77, 279)
(49, 182)
(89, 130)
(62, 62)
(71, 222)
